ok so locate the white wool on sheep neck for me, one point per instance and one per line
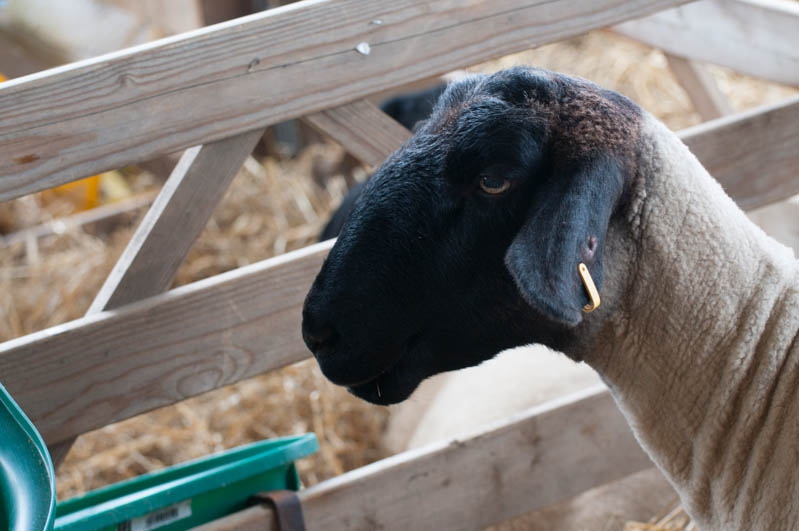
(703, 316)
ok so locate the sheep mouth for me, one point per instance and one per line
(395, 383)
(386, 389)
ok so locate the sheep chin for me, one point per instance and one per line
(387, 389)
(397, 382)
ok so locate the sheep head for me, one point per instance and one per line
(467, 240)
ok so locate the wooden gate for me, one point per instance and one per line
(213, 92)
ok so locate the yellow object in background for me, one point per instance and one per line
(114, 187)
(83, 194)
(2, 78)
(90, 192)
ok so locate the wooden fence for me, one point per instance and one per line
(212, 92)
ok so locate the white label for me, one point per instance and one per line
(158, 518)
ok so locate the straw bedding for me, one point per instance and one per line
(273, 206)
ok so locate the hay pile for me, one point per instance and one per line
(273, 206)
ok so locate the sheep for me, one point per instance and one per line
(456, 404)
(467, 242)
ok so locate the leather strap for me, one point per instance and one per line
(287, 507)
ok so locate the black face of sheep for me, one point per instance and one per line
(467, 240)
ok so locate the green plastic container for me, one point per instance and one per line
(27, 481)
(191, 493)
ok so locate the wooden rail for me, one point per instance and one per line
(216, 89)
(365, 131)
(756, 37)
(117, 364)
(220, 81)
(470, 483)
(736, 149)
(698, 82)
(112, 365)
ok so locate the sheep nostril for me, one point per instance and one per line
(320, 339)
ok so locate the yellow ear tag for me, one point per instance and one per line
(590, 287)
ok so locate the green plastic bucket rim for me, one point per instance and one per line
(22, 425)
(149, 492)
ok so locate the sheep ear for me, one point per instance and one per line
(567, 224)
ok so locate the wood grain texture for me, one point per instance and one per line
(178, 215)
(754, 155)
(110, 366)
(701, 87)
(545, 455)
(117, 364)
(366, 132)
(294, 60)
(756, 37)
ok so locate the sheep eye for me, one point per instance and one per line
(494, 185)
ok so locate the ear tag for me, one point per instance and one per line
(590, 287)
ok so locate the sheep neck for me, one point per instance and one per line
(701, 351)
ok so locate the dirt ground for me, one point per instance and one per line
(274, 205)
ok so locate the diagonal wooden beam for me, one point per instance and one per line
(366, 132)
(701, 87)
(755, 37)
(753, 154)
(178, 215)
(163, 239)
